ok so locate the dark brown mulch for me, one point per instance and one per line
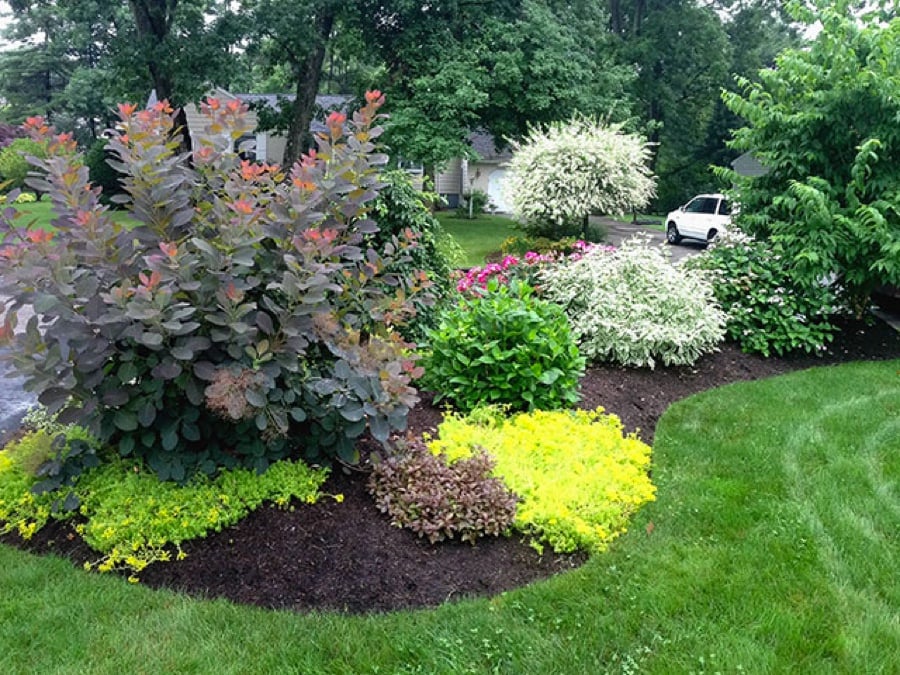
(346, 557)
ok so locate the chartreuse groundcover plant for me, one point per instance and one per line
(242, 311)
(580, 479)
(130, 517)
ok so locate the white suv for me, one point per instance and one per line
(701, 218)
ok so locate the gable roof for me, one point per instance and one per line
(325, 102)
(482, 142)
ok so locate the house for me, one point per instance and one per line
(267, 146)
(487, 173)
(459, 177)
(748, 165)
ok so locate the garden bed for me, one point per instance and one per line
(345, 556)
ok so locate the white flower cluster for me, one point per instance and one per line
(632, 307)
(568, 170)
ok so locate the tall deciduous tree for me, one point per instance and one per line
(456, 66)
(59, 67)
(184, 44)
(685, 52)
(295, 36)
(824, 121)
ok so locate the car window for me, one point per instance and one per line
(694, 206)
(724, 208)
(702, 205)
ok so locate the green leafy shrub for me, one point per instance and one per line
(824, 122)
(21, 198)
(506, 347)
(438, 500)
(579, 477)
(101, 174)
(473, 205)
(14, 167)
(400, 211)
(631, 306)
(769, 308)
(243, 315)
(131, 517)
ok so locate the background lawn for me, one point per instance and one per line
(479, 236)
(42, 213)
(772, 548)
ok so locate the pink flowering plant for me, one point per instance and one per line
(524, 268)
(242, 319)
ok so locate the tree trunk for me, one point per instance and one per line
(615, 16)
(309, 74)
(153, 21)
(640, 7)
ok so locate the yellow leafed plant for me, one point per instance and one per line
(580, 477)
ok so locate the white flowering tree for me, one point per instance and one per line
(561, 174)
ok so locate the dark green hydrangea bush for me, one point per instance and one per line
(241, 320)
(504, 347)
(770, 309)
(439, 500)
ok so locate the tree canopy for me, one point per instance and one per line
(824, 121)
(449, 67)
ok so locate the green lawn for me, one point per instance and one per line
(479, 236)
(42, 213)
(773, 549)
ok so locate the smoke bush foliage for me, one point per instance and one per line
(241, 317)
(632, 307)
(8, 133)
(560, 174)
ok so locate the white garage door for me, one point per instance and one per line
(495, 190)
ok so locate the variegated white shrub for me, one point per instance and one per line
(560, 174)
(632, 307)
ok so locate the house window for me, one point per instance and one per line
(411, 167)
(245, 147)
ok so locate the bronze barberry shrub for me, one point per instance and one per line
(238, 319)
(439, 500)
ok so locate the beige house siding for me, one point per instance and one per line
(448, 182)
(457, 180)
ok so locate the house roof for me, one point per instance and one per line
(326, 102)
(482, 142)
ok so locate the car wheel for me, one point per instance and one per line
(711, 236)
(672, 235)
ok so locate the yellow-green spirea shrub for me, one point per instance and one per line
(580, 478)
(132, 518)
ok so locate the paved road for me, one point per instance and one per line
(618, 231)
(14, 401)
